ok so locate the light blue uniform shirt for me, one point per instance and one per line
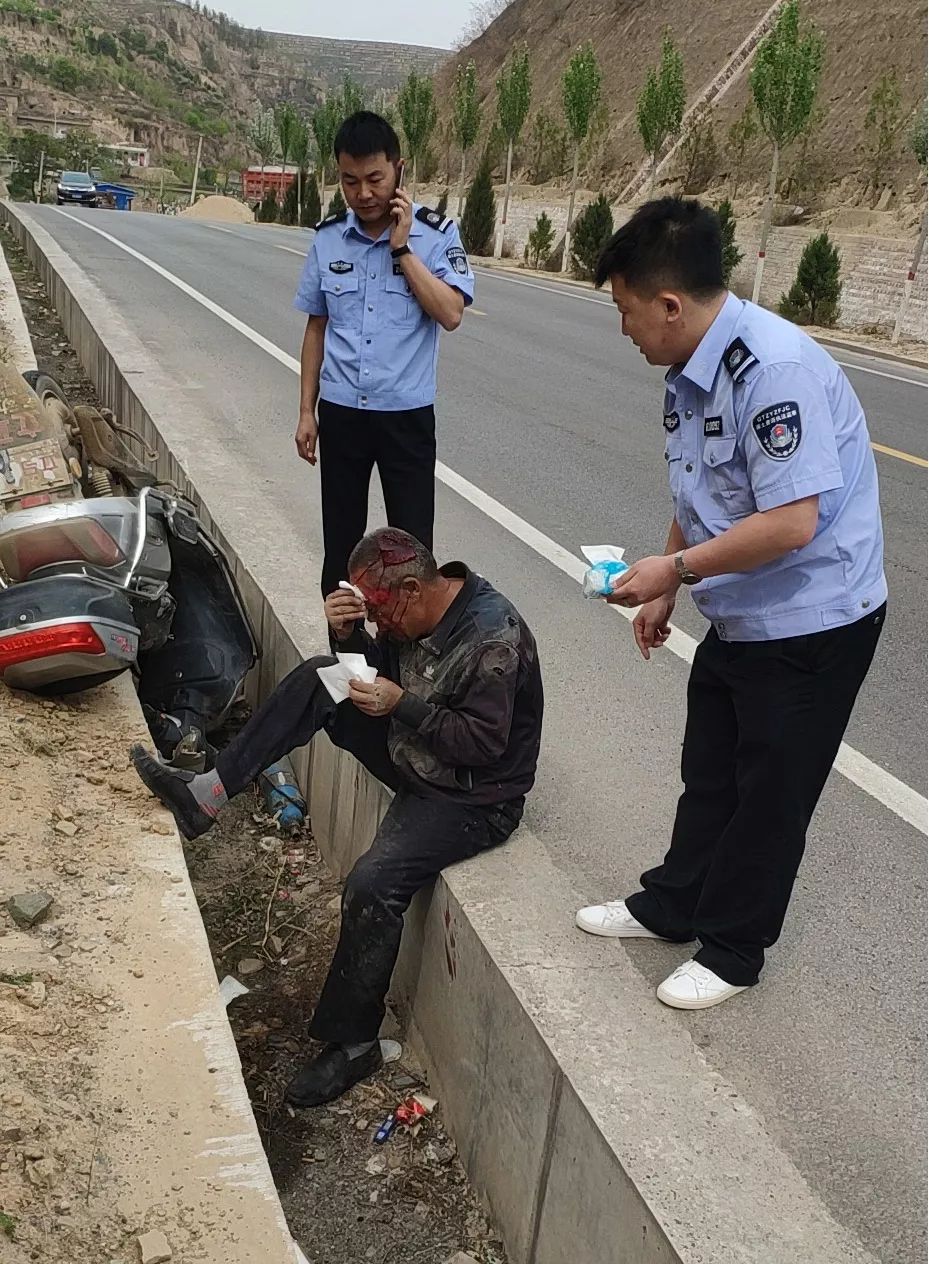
(381, 348)
(761, 416)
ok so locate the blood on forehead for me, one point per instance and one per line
(390, 554)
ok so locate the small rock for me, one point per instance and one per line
(41, 1174)
(162, 827)
(33, 1153)
(376, 1165)
(72, 870)
(11, 1134)
(29, 908)
(250, 965)
(94, 778)
(461, 1257)
(34, 995)
(276, 943)
(362, 1125)
(335, 903)
(421, 1211)
(68, 828)
(63, 1207)
(154, 1248)
(138, 974)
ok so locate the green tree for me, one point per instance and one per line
(300, 153)
(660, 107)
(466, 119)
(592, 231)
(514, 92)
(312, 210)
(351, 99)
(480, 213)
(784, 82)
(262, 136)
(883, 125)
(267, 209)
(325, 123)
(541, 240)
(337, 203)
(916, 144)
(27, 151)
(418, 115)
(548, 147)
(732, 255)
(65, 74)
(285, 124)
(442, 205)
(580, 93)
(290, 211)
(741, 134)
(699, 153)
(813, 299)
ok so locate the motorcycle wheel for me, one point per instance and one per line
(44, 385)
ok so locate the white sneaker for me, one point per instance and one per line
(693, 986)
(612, 920)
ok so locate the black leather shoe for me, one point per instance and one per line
(330, 1074)
(169, 786)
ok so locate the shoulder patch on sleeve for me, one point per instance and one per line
(331, 219)
(778, 430)
(458, 259)
(441, 223)
(738, 359)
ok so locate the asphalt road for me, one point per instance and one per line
(545, 409)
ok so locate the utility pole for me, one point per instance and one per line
(193, 187)
(41, 172)
(161, 189)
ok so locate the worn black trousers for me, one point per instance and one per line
(418, 838)
(351, 442)
(764, 723)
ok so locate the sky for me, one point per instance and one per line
(398, 21)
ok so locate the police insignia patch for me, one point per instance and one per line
(671, 421)
(738, 359)
(434, 219)
(712, 427)
(458, 259)
(778, 430)
(341, 265)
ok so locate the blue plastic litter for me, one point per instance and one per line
(281, 794)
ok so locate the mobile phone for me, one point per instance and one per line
(401, 173)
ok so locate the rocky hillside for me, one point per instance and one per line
(158, 72)
(862, 44)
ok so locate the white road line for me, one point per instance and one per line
(875, 781)
(242, 237)
(568, 292)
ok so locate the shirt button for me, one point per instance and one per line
(865, 604)
(337, 288)
(370, 308)
(689, 413)
(364, 399)
(703, 600)
(689, 468)
(368, 341)
(367, 372)
(373, 276)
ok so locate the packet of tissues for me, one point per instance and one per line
(606, 563)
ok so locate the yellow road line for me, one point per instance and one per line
(901, 456)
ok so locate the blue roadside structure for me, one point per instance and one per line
(121, 194)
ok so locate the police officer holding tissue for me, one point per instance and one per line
(777, 533)
(380, 280)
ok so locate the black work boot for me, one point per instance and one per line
(330, 1074)
(171, 787)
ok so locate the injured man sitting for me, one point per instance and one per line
(451, 723)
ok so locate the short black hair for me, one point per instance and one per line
(674, 242)
(364, 134)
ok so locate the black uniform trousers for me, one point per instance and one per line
(418, 838)
(351, 442)
(764, 723)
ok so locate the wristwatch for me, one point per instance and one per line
(684, 573)
(400, 252)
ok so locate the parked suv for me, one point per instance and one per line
(76, 186)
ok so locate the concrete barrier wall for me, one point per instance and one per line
(584, 1114)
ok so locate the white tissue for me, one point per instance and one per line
(596, 553)
(352, 588)
(349, 667)
(230, 988)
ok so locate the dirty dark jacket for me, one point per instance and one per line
(469, 724)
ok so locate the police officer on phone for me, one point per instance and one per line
(777, 533)
(380, 280)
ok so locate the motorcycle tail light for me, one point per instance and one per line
(65, 638)
(74, 540)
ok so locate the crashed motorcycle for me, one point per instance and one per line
(105, 570)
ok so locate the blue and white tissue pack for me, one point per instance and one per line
(606, 564)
